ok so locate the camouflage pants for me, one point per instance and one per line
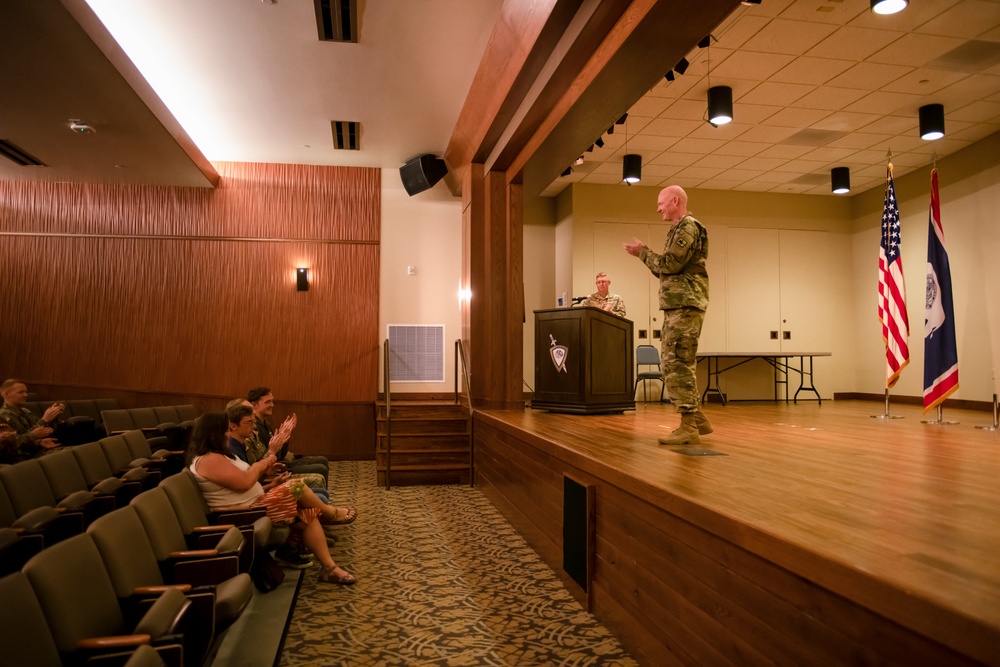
(679, 356)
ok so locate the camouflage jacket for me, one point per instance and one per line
(23, 422)
(681, 267)
(611, 303)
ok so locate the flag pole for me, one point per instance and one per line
(940, 421)
(996, 414)
(892, 299)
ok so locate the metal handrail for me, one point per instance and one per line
(460, 354)
(388, 414)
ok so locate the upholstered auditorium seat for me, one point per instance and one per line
(120, 459)
(135, 572)
(177, 560)
(95, 468)
(155, 449)
(28, 490)
(16, 547)
(199, 524)
(62, 470)
(45, 522)
(82, 612)
(24, 632)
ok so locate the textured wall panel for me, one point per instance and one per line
(188, 292)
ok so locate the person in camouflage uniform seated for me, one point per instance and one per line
(683, 300)
(604, 299)
(255, 450)
(32, 433)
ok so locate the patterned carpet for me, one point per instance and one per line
(443, 579)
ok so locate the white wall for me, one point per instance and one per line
(423, 231)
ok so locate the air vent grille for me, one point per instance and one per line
(18, 156)
(416, 353)
(337, 20)
(346, 135)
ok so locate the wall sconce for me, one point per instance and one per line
(720, 105)
(301, 280)
(840, 180)
(931, 121)
(888, 6)
(632, 168)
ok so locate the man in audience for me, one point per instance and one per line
(32, 433)
(262, 401)
(246, 445)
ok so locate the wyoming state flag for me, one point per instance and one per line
(940, 350)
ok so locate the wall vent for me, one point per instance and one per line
(346, 134)
(416, 352)
(337, 20)
(18, 156)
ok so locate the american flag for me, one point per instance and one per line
(891, 292)
(940, 345)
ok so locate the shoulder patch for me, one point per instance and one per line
(682, 242)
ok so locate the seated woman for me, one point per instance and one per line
(227, 481)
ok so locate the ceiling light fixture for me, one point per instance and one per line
(840, 180)
(931, 121)
(567, 171)
(621, 121)
(632, 168)
(681, 66)
(888, 6)
(750, 3)
(720, 105)
(669, 76)
(599, 143)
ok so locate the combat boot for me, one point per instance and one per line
(698, 420)
(685, 434)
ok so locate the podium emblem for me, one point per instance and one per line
(558, 354)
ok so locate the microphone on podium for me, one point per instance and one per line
(578, 299)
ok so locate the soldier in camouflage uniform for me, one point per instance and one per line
(32, 433)
(604, 299)
(683, 300)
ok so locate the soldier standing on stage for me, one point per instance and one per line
(683, 300)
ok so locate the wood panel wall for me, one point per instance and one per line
(145, 293)
(673, 592)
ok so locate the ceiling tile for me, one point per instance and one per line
(776, 93)
(645, 142)
(857, 140)
(733, 35)
(869, 76)
(853, 43)
(686, 109)
(790, 37)
(751, 66)
(768, 135)
(826, 11)
(702, 146)
(892, 125)
(916, 14)
(741, 148)
(968, 90)
(719, 161)
(816, 71)
(676, 159)
(785, 151)
(944, 146)
(832, 99)
(975, 132)
(762, 163)
(799, 167)
(753, 113)
(772, 177)
(924, 81)
(846, 121)
(752, 186)
(911, 49)
(670, 127)
(721, 184)
(794, 117)
(792, 188)
(969, 18)
(727, 132)
(702, 172)
(828, 154)
(740, 174)
(977, 112)
(650, 106)
(885, 102)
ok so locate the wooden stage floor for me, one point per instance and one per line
(881, 537)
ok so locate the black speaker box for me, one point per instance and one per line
(421, 173)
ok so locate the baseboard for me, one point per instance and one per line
(955, 404)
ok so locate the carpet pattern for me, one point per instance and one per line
(443, 579)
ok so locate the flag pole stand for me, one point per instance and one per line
(886, 415)
(996, 414)
(940, 418)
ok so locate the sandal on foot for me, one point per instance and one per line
(332, 577)
(350, 514)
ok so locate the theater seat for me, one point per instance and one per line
(134, 570)
(24, 632)
(82, 612)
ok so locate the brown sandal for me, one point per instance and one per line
(350, 514)
(331, 577)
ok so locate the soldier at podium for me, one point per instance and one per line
(683, 300)
(604, 299)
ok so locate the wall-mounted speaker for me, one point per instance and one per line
(421, 173)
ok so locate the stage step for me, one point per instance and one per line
(431, 443)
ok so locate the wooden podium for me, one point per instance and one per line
(583, 361)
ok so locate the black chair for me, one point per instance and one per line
(649, 357)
